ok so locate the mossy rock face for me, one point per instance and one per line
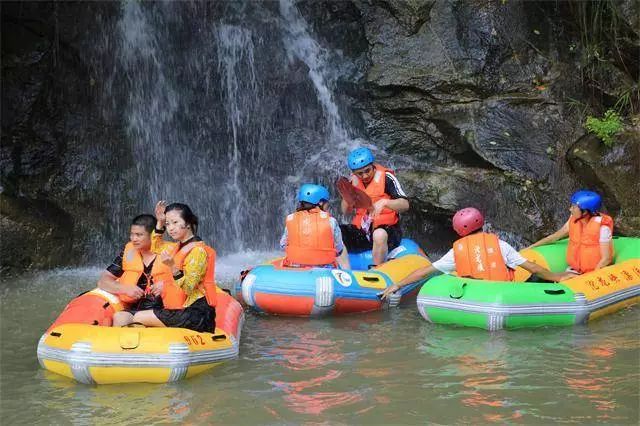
(615, 172)
(630, 12)
(35, 234)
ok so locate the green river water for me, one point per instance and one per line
(385, 368)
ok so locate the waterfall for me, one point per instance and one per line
(299, 44)
(152, 102)
(235, 58)
(217, 116)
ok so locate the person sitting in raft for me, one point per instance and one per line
(377, 230)
(192, 265)
(590, 234)
(311, 236)
(135, 276)
(478, 255)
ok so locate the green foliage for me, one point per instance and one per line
(604, 40)
(606, 127)
(628, 100)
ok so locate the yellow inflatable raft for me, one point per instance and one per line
(96, 354)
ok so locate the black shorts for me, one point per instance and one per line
(199, 316)
(148, 301)
(355, 239)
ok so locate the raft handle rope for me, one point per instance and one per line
(217, 337)
(554, 292)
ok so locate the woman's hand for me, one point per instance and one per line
(167, 259)
(160, 208)
(157, 288)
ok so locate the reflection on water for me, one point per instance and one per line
(592, 370)
(307, 352)
(385, 367)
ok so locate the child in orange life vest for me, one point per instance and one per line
(477, 255)
(134, 275)
(377, 230)
(190, 273)
(311, 236)
(590, 234)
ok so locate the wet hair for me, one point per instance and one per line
(145, 220)
(186, 214)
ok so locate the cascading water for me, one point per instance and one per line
(215, 106)
(235, 48)
(300, 45)
(152, 101)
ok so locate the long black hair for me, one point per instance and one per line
(186, 214)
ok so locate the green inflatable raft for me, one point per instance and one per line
(495, 305)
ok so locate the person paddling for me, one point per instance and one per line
(478, 255)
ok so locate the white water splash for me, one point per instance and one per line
(228, 267)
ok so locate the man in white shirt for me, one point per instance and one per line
(477, 255)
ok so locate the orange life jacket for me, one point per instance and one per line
(375, 191)
(479, 256)
(310, 238)
(583, 251)
(133, 268)
(176, 296)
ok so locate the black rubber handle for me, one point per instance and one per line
(217, 337)
(553, 292)
(371, 278)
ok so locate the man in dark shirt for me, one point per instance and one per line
(145, 294)
(377, 229)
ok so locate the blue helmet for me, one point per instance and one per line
(313, 194)
(359, 158)
(587, 200)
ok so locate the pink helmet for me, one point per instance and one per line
(467, 220)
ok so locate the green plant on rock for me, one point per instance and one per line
(606, 127)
